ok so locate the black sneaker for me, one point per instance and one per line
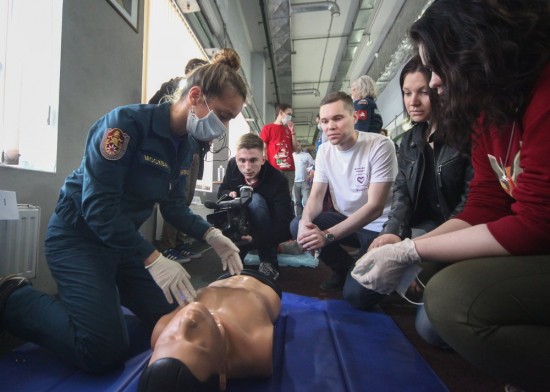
(7, 285)
(335, 283)
(268, 269)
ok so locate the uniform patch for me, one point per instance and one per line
(156, 162)
(362, 115)
(114, 144)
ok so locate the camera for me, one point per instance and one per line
(231, 216)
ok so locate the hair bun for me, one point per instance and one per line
(227, 56)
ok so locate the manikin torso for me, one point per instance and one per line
(228, 328)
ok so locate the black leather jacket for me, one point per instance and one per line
(453, 174)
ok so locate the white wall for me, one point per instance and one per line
(101, 67)
(390, 103)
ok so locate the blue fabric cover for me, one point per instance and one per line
(320, 345)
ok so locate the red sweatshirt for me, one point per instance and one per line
(518, 217)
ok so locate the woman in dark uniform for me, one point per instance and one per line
(135, 156)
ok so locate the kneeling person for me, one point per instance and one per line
(199, 345)
(270, 211)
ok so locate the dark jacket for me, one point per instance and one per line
(272, 185)
(368, 116)
(130, 163)
(453, 172)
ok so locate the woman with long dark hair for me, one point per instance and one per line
(490, 65)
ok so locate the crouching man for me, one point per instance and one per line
(270, 211)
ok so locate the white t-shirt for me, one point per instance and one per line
(349, 173)
(303, 162)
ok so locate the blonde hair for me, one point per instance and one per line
(250, 141)
(216, 78)
(365, 87)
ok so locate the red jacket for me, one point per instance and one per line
(518, 217)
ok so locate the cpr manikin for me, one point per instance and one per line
(227, 332)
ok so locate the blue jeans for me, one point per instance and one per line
(261, 223)
(85, 324)
(300, 194)
(333, 255)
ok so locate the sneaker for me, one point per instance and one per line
(7, 285)
(268, 269)
(335, 283)
(187, 252)
(175, 255)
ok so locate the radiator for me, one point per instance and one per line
(19, 243)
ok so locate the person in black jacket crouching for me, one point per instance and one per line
(270, 211)
(432, 182)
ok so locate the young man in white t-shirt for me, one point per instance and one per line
(358, 168)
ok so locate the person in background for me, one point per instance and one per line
(358, 168)
(305, 166)
(280, 142)
(490, 66)
(432, 182)
(270, 211)
(135, 156)
(201, 345)
(364, 93)
(173, 243)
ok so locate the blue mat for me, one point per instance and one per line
(320, 345)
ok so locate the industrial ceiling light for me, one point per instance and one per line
(306, 91)
(316, 6)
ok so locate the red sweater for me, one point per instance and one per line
(520, 222)
(278, 141)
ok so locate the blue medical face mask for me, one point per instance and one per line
(207, 128)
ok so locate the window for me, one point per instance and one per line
(30, 32)
(170, 45)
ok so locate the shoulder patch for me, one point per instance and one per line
(114, 144)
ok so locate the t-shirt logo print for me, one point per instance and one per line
(114, 144)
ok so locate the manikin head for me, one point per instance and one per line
(194, 346)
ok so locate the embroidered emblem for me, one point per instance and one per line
(155, 162)
(114, 144)
(362, 115)
(362, 102)
(507, 176)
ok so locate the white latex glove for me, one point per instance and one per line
(226, 249)
(173, 279)
(381, 269)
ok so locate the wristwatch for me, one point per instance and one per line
(329, 237)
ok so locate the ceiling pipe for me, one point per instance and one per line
(269, 49)
(316, 6)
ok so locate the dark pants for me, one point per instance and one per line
(333, 255)
(260, 227)
(85, 324)
(495, 312)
